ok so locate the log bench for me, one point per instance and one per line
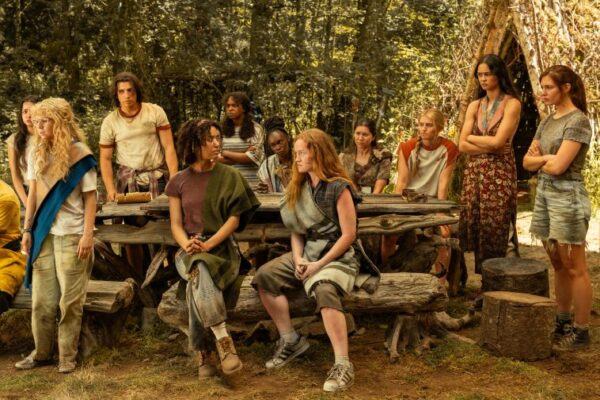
(418, 298)
(104, 312)
(102, 296)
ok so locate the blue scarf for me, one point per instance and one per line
(46, 212)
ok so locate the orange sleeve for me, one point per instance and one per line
(452, 151)
(407, 148)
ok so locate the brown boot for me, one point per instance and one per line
(230, 362)
(205, 368)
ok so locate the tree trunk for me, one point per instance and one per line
(397, 293)
(517, 325)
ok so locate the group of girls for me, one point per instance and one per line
(319, 208)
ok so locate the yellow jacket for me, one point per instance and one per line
(12, 263)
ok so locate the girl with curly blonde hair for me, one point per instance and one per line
(58, 234)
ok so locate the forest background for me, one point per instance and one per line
(313, 62)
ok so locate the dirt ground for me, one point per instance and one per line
(153, 365)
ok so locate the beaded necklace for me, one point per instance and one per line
(488, 115)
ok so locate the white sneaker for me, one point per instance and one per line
(340, 377)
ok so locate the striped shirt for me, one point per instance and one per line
(237, 144)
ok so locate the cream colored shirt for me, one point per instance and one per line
(135, 139)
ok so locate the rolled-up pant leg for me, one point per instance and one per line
(206, 307)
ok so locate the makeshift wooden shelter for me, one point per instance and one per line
(530, 36)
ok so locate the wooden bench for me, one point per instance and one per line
(416, 304)
(102, 296)
(105, 311)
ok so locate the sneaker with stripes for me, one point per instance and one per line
(340, 377)
(574, 340)
(561, 329)
(286, 352)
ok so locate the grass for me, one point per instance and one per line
(86, 383)
(471, 396)
(24, 382)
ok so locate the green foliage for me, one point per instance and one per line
(300, 59)
(591, 176)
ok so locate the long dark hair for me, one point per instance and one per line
(193, 134)
(561, 75)
(500, 71)
(371, 126)
(247, 130)
(22, 133)
(127, 77)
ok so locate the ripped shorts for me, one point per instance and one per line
(562, 211)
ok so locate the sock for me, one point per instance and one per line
(564, 316)
(220, 330)
(344, 360)
(581, 327)
(290, 337)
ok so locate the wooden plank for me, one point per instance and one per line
(110, 210)
(159, 232)
(156, 263)
(371, 204)
(102, 296)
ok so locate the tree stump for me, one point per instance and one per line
(515, 275)
(517, 325)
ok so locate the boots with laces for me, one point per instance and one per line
(230, 362)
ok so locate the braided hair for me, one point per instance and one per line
(192, 135)
(274, 124)
(271, 125)
(438, 121)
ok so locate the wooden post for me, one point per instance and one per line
(517, 325)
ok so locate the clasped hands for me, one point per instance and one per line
(195, 245)
(305, 269)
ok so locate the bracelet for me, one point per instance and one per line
(27, 230)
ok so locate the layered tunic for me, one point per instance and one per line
(277, 174)
(226, 193)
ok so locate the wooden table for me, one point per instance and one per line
(372, 204)
(378, 215)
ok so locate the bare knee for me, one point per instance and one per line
(555, 259)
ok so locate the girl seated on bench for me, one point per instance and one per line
(208, 202)
(319, 209)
